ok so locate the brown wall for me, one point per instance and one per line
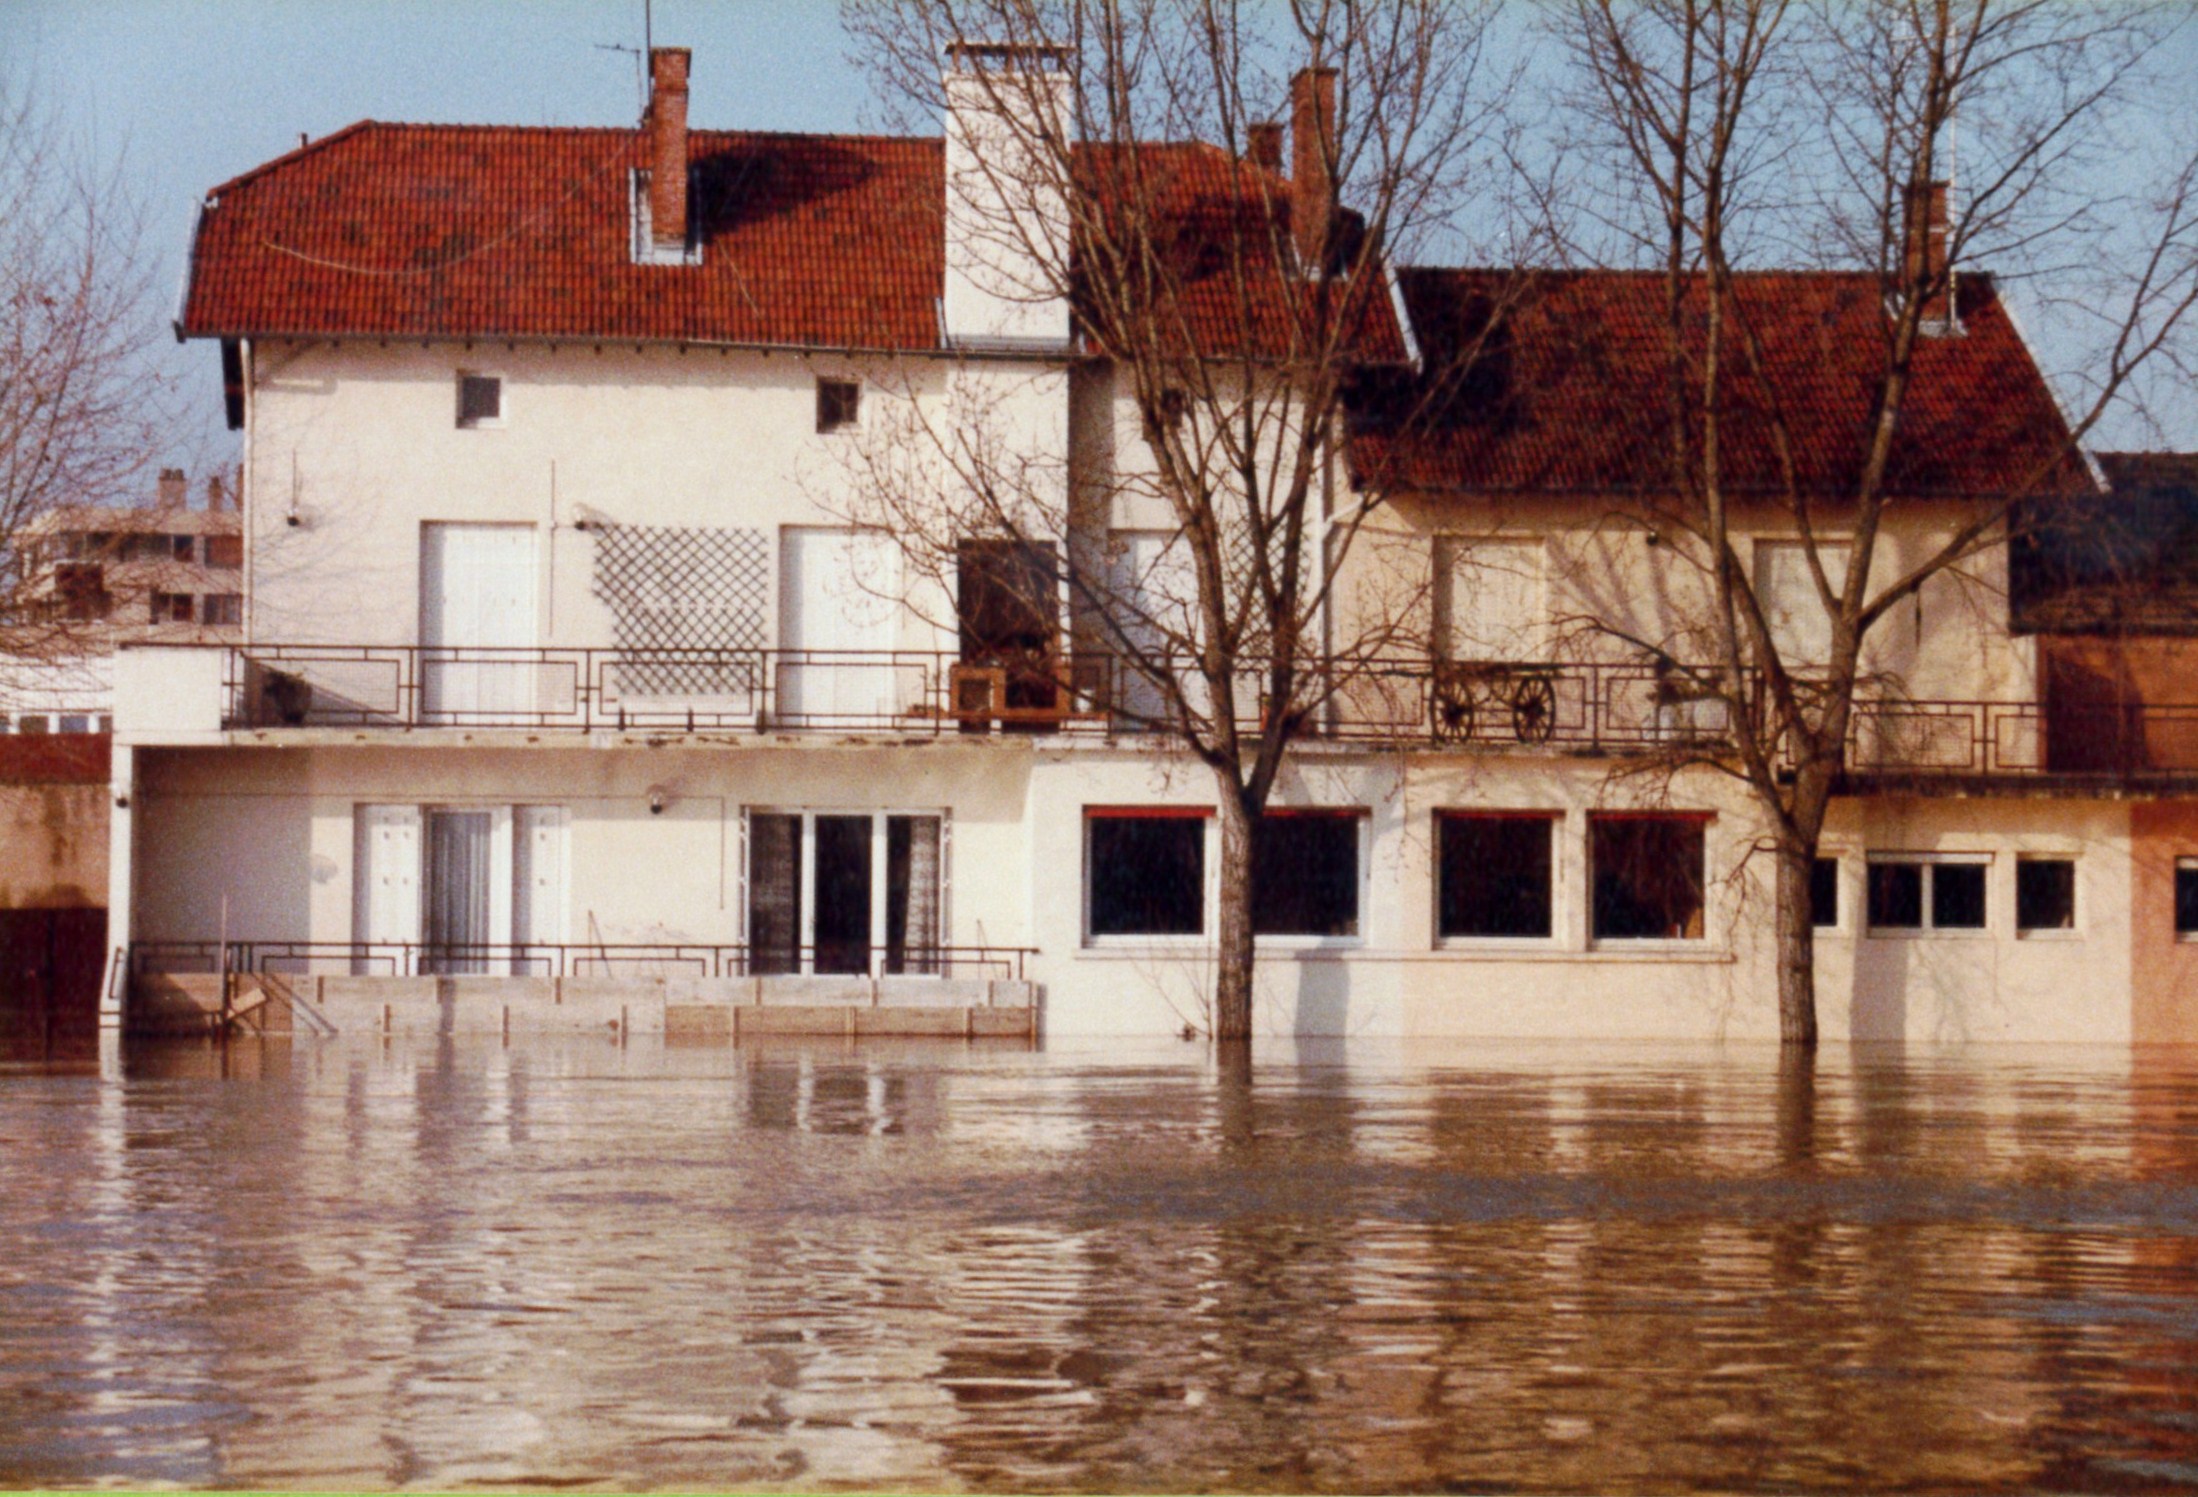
(2104, 701)
(2163, 970)
(53, 822)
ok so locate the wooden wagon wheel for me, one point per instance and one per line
(1450, 709)
(1534, 709)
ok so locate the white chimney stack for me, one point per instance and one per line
(1008, 124)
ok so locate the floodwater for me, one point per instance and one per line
(359, 1264)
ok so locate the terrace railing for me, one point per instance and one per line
(594, 959)
(1639, 707)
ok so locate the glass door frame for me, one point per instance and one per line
(879, 944)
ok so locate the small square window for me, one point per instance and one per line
(1493, 874)
(2045, 894)
(171, 608)
(33, 723)
(1305, 873)
(75, 722)
(1648, 876)
(225, 550)
(480, 400)
(839, 402)
(221, 608)
(2186, 897)
(1145, 873)
(1824, 893)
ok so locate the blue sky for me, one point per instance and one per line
(192, 92)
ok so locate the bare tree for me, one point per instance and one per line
(1116, 188)
(1832, 130)
(82, 406)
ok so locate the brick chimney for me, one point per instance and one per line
(1312, 150)
(1923, 260)
(1263, 145)
(667, 123)
(171, 490)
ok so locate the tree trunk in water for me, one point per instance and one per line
(1232, 999)
(1796, 945)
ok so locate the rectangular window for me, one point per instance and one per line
(839, 402)
(2045, 894)
(1145, 872)
(1648, 876)
(1824, 893)
(225, 551)
(845, 893)
(2186, 897)
(33, 722)
(184, 546)
(480, 400)
(1305, 873)
(1927, 893)
(221, 608)
(76, 722)
(171, 608)
(1492, 874)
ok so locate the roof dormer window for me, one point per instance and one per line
(647, 248)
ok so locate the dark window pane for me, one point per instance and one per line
(912, 894)
(1896, 896)
(2045, 894)
(1305, 875)
(1648, 877)
(843, 893)
(480, 398)
(1147, 875)
(1824, 893)
(774, 893)
(838, 403)
(225, 550)
(1493, 874)
(1957, 896)
(2186, 901)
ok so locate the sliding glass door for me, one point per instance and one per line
(847, 893)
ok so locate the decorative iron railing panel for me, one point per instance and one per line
(594, 959)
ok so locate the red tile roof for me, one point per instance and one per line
(1568, 392)
(815, 240)
(491, 231)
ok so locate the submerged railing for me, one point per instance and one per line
(567, 959)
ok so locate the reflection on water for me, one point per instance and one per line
(360, 1264)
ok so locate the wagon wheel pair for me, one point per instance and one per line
(1451, 708)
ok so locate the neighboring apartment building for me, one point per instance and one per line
(567, 683)
(97, 575)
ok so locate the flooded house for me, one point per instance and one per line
(575, 689)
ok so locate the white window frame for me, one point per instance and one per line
(1554, 818)
(878, 816)
(2074, 930)
(1927, 931)
(1364, 816)
(1209, 880)
(1706, 941)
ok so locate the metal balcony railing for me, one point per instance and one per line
(594, 959)
(1642, 707)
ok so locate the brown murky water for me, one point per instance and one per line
(1577, 1268)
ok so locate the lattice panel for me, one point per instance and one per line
(672, 589)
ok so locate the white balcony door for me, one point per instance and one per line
(1491, 599)
(476, 594)
(1154, 589)
(838, 606)
(386, 892)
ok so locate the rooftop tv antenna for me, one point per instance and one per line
(640, 55)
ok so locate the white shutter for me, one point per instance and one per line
(386, 892)
(1491, 599)
(538, 876)
(1800, 627)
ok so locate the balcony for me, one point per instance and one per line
(1642, 708)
